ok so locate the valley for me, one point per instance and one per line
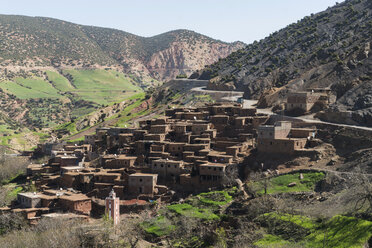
(110, 139)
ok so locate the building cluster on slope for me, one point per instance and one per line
(187, 150)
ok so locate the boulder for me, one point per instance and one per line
(292, 184)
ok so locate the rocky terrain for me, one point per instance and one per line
(36, 43)
(327, 49)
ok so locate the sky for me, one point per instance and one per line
(226, 20)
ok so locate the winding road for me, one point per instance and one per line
(233, 96)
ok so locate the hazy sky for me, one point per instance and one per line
(227, 20)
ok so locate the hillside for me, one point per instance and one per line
(29, 43)
(54, 72)
(328, 49)
(42, 100)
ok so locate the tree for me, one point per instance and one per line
(130, 230)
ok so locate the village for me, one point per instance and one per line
(188, 150)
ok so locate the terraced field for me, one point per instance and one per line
(47, 99)
(99, 86)
(96, 86)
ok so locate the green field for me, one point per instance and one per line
(101, 86)
(203, 206)
(59, 82)
(279, 184)
(339, 231)
(97, 86)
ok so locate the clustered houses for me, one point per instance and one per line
(187, 150)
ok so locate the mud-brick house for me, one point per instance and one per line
(154, 137)
(166, 169)
(278, 138)
(67, 160)
(175, 148)
(76, 203)
(29, 199)
(212, 174)
(121, 161)
(217, 157)
(199, 128)
(158, 129)
(142, 183)
(301, 100)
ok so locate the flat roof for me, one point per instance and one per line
(213, 164)
(75, 197)
(30, 194)
(169, 161)
(143, 175)
(72, 168)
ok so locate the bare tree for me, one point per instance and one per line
(129, 229)
(361, 186)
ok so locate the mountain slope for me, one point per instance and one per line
(328, 49)
(29, 42)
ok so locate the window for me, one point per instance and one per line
(220, 169)
(271, 143)
(140, 180)
(214, 168)
(161, 165)
(168, 166)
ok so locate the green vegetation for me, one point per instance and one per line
(22, 92)
(280, 183)
(128, 114)
(272, 241)
(101, 86)
(339, 231)
(69, 127)
(190, 211)
(215, 198)
(201, 207)
(181, 76)
(96, 86)
(76, 140)
(159, 226)
(59, 82)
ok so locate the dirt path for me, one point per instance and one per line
(253, 103)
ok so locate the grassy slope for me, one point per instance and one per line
(339, 231)
(97, 86)
(279, 184)
(59, 82)
(201, 207)
(101, 86)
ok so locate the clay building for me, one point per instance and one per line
(167, 168)
(212, 174)
(142, 183)
(279, 138)
(76, 203)
(29, 199)
(302, 100)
